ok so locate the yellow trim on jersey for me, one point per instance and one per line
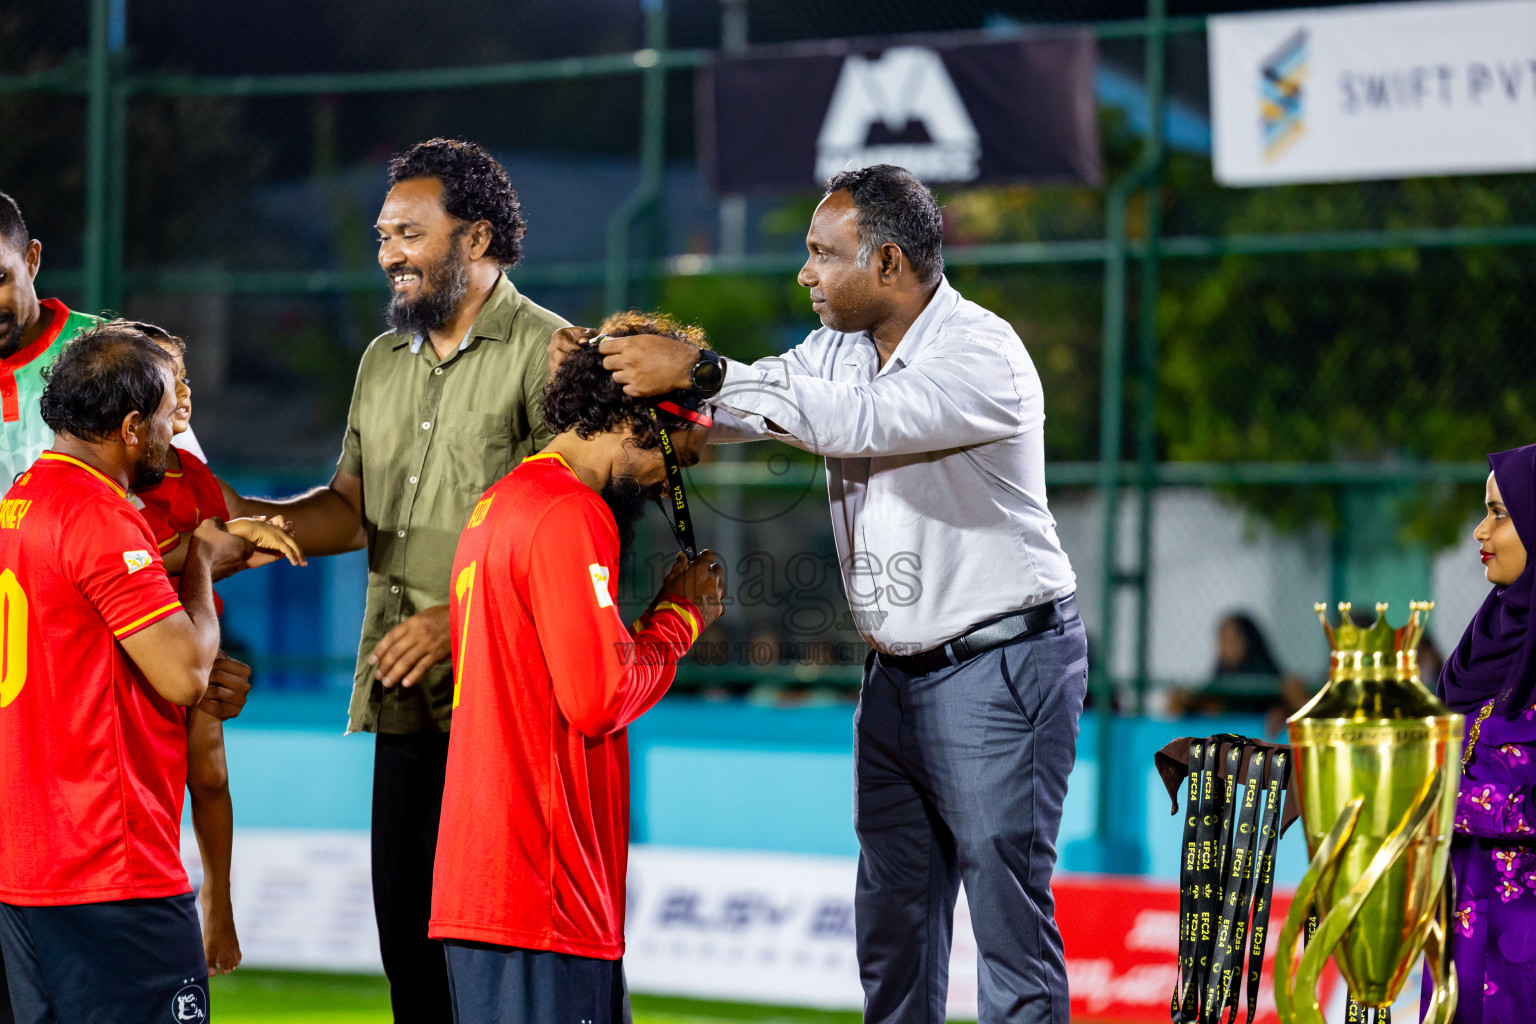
(688, 617)
(550, 455)
(145, 619)
(170, 542)
(57, 457)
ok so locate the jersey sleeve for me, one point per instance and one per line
(604, 677)
(111, 557)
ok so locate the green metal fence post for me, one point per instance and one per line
(1108, 851)
(1146, 369)
(98, 162)
(653, 124)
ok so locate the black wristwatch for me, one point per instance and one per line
(708, 374)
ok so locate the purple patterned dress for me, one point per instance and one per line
(1493, 917)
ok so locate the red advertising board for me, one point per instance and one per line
(1122, 943)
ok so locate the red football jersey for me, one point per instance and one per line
(534, 838)
(181, 501)
(95, 760)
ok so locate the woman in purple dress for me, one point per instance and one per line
(1490, 679)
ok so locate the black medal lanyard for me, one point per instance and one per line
(1226, 877)
(1186, 996)
(674, 503)
(687, 406)
(1211, 1003)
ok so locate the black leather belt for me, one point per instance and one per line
(979, 640)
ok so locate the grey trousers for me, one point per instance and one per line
(960, 775)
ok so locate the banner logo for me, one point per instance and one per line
(899, 108)
(1282, 115)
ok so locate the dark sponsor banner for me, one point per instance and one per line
(786, 119)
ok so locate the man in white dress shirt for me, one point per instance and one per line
(930, 415)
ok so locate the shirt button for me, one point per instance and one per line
(413, 479)
(438, 371)
(425, 425)
(400, 534)
(394, 590)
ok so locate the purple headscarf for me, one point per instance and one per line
(1495, 655)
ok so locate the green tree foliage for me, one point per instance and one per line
(1398, 354)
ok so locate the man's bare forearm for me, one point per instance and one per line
(326, 521)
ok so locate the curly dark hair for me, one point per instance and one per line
(104, 374)
(894, 206)
(582, 396)
(475, 187)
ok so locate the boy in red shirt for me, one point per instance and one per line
(99, 659)
(173, 509)
(533, 845)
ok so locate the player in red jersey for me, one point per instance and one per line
(100, 657)
(174, 508)
(529, 881)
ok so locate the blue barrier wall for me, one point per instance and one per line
(710, 775)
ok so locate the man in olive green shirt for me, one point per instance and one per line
(444, 406)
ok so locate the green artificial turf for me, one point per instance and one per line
(282, 997)
(290, 997)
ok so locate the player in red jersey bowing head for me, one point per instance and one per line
(529, 883)
(99, 659)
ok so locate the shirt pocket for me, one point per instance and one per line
(479, 449)
(900, 489)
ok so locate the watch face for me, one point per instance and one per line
(707, 376)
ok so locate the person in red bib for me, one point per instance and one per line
(100, 658)
(528, 888)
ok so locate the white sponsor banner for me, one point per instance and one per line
(303, 898)
(745, 927)
(755, 927)
(758, 927)
(1379, 91)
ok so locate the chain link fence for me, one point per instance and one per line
(1299, 333)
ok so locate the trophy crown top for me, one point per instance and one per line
(1378, 638)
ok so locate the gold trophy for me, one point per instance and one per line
(1378, 759)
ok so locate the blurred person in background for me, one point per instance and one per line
(174, 508)
(446, 403)
(1247, 679)
(102, 658)
(931, 417)
(33, 332)
(1491, 679)
(530, 878)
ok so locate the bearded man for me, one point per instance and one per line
(445, 405)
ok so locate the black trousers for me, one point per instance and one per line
(408, 772)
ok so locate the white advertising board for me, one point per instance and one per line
(747, 927)
(1380, 91)
(755, 927)
(303, 898)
